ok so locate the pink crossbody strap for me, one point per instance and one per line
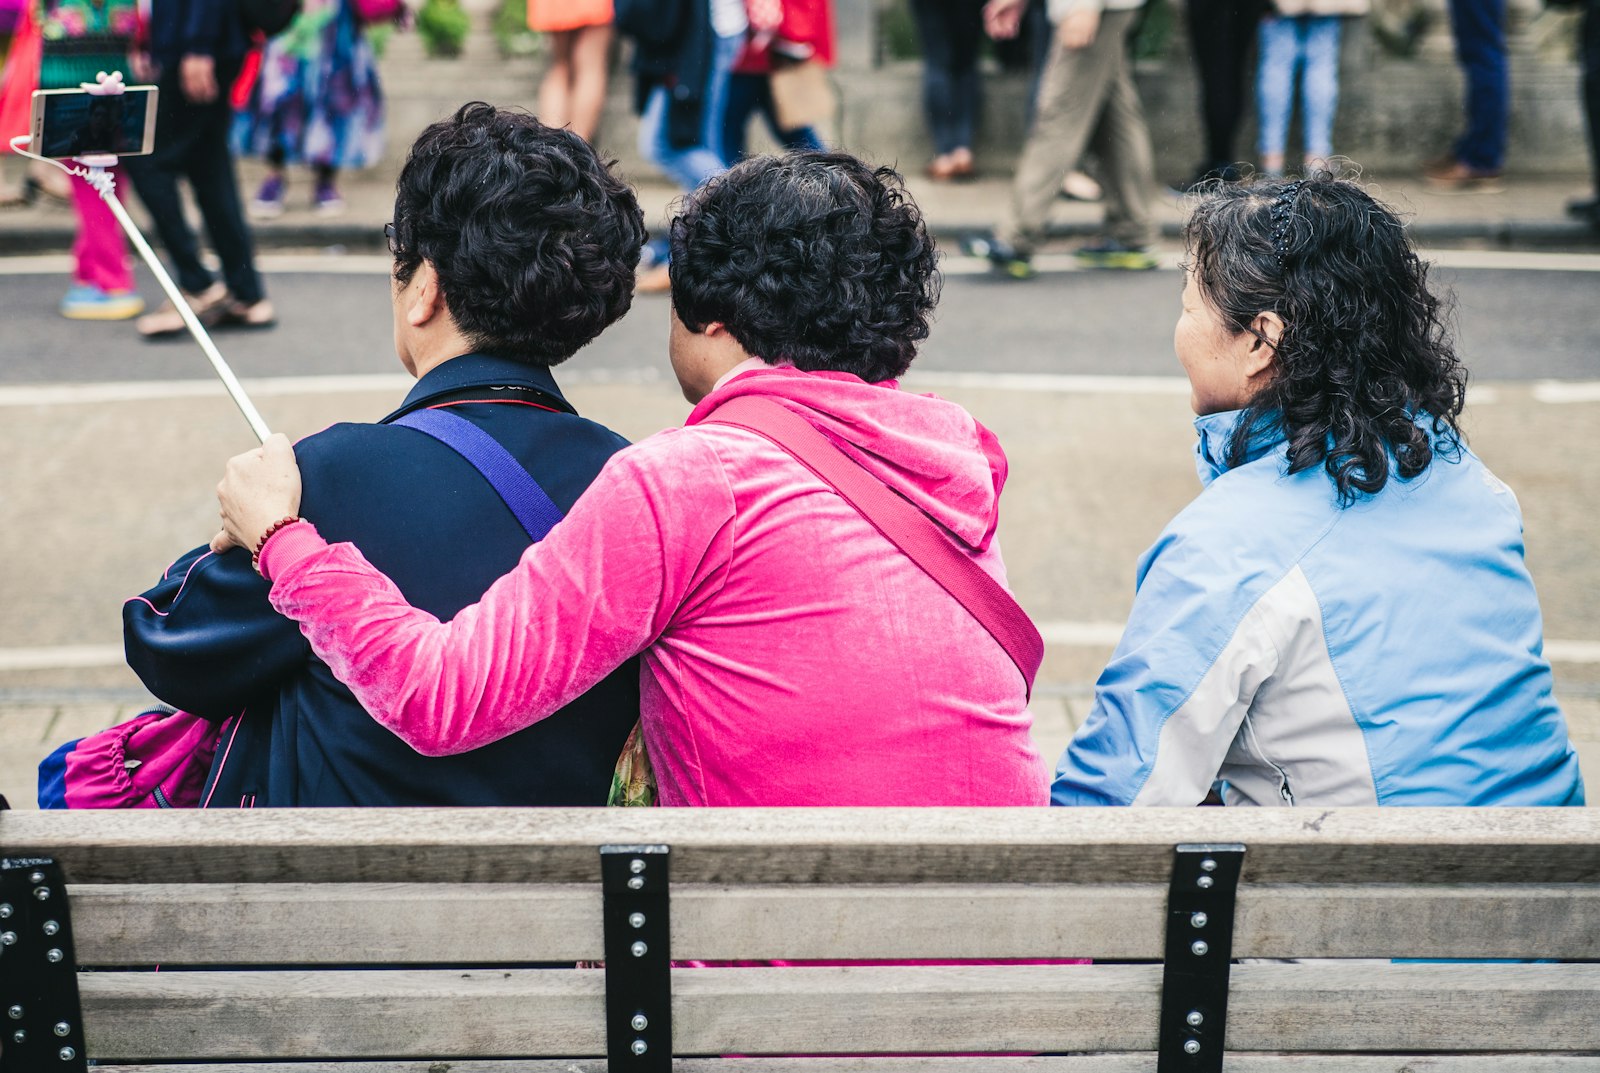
(906, 527)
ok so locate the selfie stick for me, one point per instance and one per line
(94, 172)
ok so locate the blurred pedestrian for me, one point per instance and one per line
(573, 91)
(1087, 99)
(316, 101)
(951, 32)
(81, 38)
(1299, 50)
(196, 50)
(784, 37)
(1588, 208)
(1220, 34)
(682, 92)
(1475, 161)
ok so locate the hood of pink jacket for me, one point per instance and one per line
(928, 449)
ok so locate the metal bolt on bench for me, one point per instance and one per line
(634, 882)
(1194, 981)
(38, 973)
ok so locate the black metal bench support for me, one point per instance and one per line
(41, 1021)
(634, 880)
(1194, 984)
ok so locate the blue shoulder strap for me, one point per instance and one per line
(532, 507)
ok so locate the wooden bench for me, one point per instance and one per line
(441, 941)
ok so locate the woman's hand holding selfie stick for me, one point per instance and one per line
(92, 169)
(259, 489)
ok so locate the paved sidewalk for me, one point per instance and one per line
(1529, 214)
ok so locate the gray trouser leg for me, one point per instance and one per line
(1086, 96)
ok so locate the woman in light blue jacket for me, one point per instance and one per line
(1343, 616)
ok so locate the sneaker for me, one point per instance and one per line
(268, 202)
(1449, 175)
(1113, 254)
(327, 201)
(1007, 260)
(87, 302)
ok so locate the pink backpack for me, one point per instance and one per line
(158, 759)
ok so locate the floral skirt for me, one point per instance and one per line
(317, 99)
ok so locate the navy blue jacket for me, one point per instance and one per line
(196, 27)
(206, 640)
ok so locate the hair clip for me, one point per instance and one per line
(1282, 212)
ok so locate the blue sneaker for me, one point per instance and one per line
(86, 302)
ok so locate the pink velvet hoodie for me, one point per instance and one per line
(791, 654)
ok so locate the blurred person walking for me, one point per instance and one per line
(951, 32)
(786, 38)
(681, 91)
(573, 91)
(1299, 55)
(1087, 100)
(196, 48)
(1474, 163)
(1588, 208)
(316, 101)
(1220, 33)
(80, 39)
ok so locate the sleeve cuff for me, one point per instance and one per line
(288, 546)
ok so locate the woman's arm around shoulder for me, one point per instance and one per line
(655, 526)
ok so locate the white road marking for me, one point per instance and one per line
(954, 263)
(397, 383)
(67, 657)
(1560, 391)
(1062, 634)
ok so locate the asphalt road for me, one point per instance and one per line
(1512, 325)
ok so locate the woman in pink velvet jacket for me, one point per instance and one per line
(791, 654)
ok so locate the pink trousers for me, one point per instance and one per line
(100, 249)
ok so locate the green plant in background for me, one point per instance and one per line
(511, 31)
(1155, 31)
(443, 26)
(897, 32)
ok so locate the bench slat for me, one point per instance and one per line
(811, 845)
(481, 923)
(529, 1013)
(1078, 1063)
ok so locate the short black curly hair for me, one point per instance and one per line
(1365, 360)
(534, 239)
(811, 258)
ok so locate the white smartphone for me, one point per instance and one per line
(73, 122)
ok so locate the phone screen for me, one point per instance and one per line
(72, 122)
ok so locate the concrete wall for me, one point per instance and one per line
(1394, 112)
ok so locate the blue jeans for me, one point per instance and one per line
(951, 32)
(1306, 46)
(747, 95)
(1480, 30)
(692, 165)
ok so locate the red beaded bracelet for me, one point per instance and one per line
(255, 556)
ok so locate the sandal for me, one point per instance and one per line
(234, 315)
(166, 322)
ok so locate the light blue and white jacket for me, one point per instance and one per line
(1385, 653)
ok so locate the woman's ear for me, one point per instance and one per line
(1267, 329)
(424, 300)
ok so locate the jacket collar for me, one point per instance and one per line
(1216, 431)
(480, 371)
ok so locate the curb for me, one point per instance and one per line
(1538, 234)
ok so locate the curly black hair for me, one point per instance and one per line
(534, 239)
(1365, 369)
(811, 258)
